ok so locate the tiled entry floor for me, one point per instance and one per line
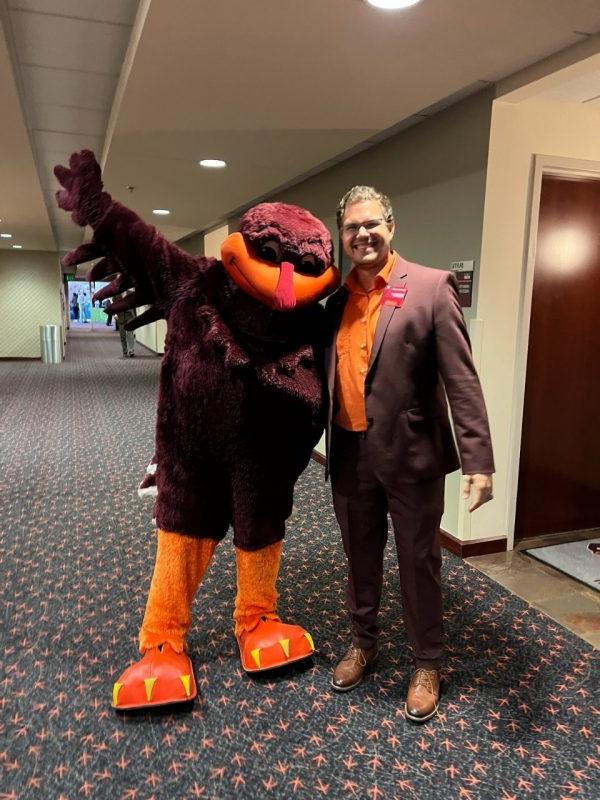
(569, 602)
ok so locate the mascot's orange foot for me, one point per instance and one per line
(273, 644)
(162, 676)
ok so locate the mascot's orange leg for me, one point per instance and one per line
(264, 641)
(165, 675)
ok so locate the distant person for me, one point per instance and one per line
(82, 300)
(87, 307)
(75, 307)
(127, 337)
(109, 316)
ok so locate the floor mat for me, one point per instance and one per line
(579, 560)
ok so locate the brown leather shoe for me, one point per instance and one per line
(423, 695)
(351, 669)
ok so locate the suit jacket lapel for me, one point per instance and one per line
(399, 272)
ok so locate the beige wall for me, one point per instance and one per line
(30, 287)
(519, 131)
(152, 335)
(193, 244)
(213, 240)
(434, 173)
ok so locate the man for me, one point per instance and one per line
(127, 337)
(82, 307)
(109, 316)
(75, 307)
(398, 339)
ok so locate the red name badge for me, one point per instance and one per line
(394, 296)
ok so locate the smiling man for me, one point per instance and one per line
(398, 347)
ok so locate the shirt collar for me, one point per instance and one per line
(381, 279)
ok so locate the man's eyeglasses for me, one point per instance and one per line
(354, 227)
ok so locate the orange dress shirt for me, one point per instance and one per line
(353, 344)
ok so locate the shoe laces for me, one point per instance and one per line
(356, 654)
(425, 677)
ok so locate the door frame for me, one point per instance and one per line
(542, 165)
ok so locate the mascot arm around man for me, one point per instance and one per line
(240, 409)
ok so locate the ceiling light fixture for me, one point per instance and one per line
(17, 246)
(213, 163)
(5, 235)
(392, 5)
(161, 212)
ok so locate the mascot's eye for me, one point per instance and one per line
(310, 266)
(270, 251)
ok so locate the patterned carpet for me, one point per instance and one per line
(520, 710)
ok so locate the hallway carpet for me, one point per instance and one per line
(521, 706)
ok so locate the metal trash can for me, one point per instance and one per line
(50, 344)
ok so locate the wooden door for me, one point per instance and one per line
(559, 474)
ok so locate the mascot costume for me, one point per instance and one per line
(240, 409)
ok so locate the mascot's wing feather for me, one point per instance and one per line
(132, 252)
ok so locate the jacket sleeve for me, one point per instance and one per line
(457, 370)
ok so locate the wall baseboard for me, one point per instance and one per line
(462, 549)
(474, 547)
(20, 358)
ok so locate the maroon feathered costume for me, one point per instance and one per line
(240, 409)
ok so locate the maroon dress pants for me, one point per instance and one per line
(362, 503)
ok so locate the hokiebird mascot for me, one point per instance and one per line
(240, 408)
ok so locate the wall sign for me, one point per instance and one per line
(463, 271)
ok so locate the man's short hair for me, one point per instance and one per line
(361, 194)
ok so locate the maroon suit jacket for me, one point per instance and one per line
(419, 350)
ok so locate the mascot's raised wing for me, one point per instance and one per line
(240, 409)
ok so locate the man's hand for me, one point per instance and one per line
(479, 488)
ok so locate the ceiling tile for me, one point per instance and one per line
(68, 120)
(116, 11)
(54, 141)
(68, 87)
(70, 43)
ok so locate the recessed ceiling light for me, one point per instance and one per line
(213, 163)
(6, 235)
(17, 246)
(161, 212)
(391, 5)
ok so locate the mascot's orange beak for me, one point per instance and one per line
(278, 286)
